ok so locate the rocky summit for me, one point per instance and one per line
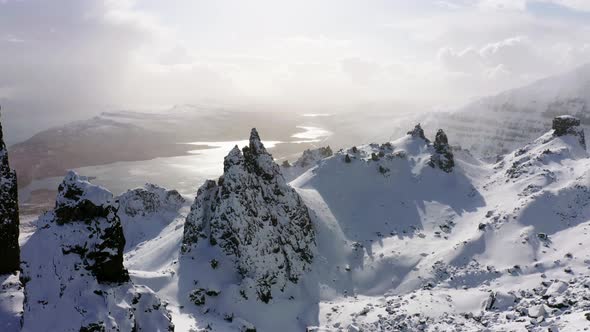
(73, 267)
(149, 200)
(418, 132)
(254, 217)
(78, 201)
(9, 221)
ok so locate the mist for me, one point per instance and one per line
(72, 60)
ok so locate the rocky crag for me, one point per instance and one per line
(73, 267)
(254, 217)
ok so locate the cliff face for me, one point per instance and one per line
(254, 217)
(9, 222)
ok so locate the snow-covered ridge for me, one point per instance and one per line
(145, 212)
(405, 235)
(308, 159)
(407, 247)
(149, 200)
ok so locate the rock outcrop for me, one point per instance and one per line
(254, 217)
(418, 132)
(441, 152)
(148, 200)
(145, 212)
(443, 155)
(79, 201)
(73, 268)
(568, 125)
(9, 221)
(310, 157)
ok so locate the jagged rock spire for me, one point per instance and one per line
(258, 160)
(9, 220)
(418, 132)
(256, 146)
(255, 219)
(569, 125)
(234, 157)
(443, 155)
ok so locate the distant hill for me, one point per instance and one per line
(499, 124)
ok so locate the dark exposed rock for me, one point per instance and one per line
(9, 221)
(568, 125)
(418, 132)
(443, 156)
(254, 217)
(94, 327)
(74, 263)
(80, 201)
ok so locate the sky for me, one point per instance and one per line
(63, 60)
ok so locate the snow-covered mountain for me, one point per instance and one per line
(499, 124)
(252, 222)
(73, 269)
(405, 235)
(403, 242)
(484, 246)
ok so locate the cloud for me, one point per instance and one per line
(581, 5)
(514, 56)
(66, 60)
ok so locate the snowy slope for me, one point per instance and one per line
(425, 248)
(406, 235)
(403, 244)
(309, 158)
(145, 212)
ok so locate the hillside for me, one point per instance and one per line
(404, 245)
(405, 235)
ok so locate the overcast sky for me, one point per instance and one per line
(67, 59)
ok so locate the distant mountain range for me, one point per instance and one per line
(499, 124)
